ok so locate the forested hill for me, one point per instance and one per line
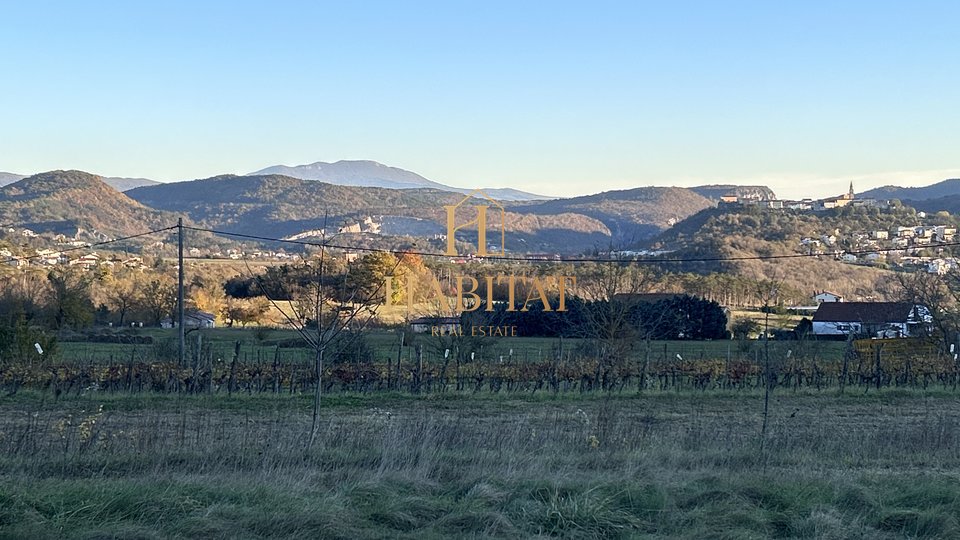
(281, 205)
(631, 214)
(738, 232)
(68, 201)
(945, 188)
(769, 228)
(276, 205)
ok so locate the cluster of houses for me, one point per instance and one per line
(901, 244)
(46, 257)
(810, 205)
(238, 254)
(63, 239)
(52, 257)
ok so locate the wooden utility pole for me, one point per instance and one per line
(180, 336)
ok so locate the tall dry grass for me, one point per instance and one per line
(670, 465)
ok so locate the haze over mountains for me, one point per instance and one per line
(9, 178)
(282, 206)
(278, 205)
(364, 173)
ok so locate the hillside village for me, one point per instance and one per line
(812, 205)
(908, 244)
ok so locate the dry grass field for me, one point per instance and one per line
(659, 465)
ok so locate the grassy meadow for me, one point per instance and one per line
(391, 465)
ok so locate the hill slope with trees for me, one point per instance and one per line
(65, 201)
(746, 232)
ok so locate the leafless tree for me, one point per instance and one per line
(327, 309)
(613, 291)
(940, 295)
(766, 293)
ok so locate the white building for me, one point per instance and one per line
(874, 319)
(827, 296)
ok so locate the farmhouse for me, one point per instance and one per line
(876, 319)
(443, 325)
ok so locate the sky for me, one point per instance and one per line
(549, 97)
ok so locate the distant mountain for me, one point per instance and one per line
(353, 173)
(945, 188)
(126, 184)
(505, 194)
(275, 204)
(68, 201)
(280, 206)
(9, 178)
(373, 174)
(950, 203)
(715, 191)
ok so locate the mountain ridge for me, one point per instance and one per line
(67, 202)
(368, 173)
(116, 182)
(287, 206)
(944, 188)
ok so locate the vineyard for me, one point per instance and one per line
(219, 368)
(527, 437)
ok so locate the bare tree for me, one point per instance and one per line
(766, 293)
(328, 308)
(612, 291)
(940, 295)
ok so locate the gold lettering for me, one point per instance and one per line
(489, 283)
(472, 293)
(562, 282)
(452, 229)
(511, 290)
(537, 286)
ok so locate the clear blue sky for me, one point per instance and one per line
(548, 97)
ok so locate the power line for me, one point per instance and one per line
(506, 258)
(562, 260)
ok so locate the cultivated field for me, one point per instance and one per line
(109, 440)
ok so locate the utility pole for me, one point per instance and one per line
(180, 336)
